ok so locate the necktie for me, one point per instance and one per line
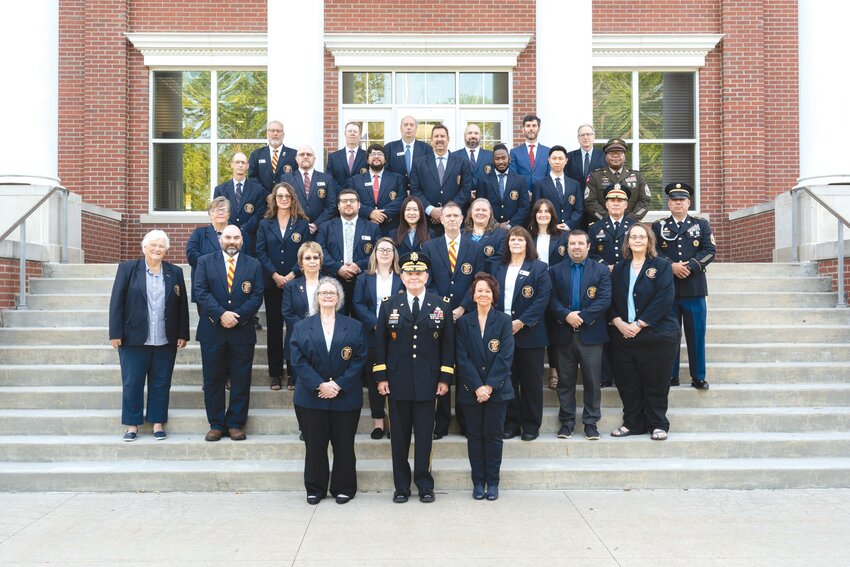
(231, 271)
(238, 194)
(531, 156)
(575, 295)
(586, 164)
(415, 308)
(274, 161)
(441, 169)
(559, 187)
(502, 185)
(452, 255)
(472, 158)
(375, 188)
(407, 163)
(350, 161)
(349, 242)
(616, 226)
(306, 184)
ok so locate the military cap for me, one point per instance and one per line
(415, 262)
(616, 191)
(679, 190)
(614, 145)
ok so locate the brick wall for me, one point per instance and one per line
(10, 279)
(750, 239)
(830, 268)
(100, 238)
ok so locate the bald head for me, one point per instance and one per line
(305, 158)
(231, 240)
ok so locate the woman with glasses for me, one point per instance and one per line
(298, 296)
(413, 229)
(381, 281)
(481, 226)
(204, 239)
(644, 335)
(328, 353)
(279, 236)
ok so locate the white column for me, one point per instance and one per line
(29, 99)
(564, 69)
(297, 72)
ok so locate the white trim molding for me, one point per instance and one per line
(425, 50)
(183, 50)
(653, 50)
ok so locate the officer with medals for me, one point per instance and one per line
(688, 243)
(613, 174)
(414, 363)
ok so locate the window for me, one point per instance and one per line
(655, 112)
(199, 120)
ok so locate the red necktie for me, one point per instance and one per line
(531, 156)
(375, 188)
(306, 184)
(231, 271)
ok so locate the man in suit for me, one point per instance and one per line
(687, 242)
(478, 157)
(247, 201)
(350, 160)
(228, 287)
(581, 295)
(402, 153)
(506, 190)
(346, 243)
(455, 259)
(268, 163)
(316, 190)
(414, 364)
(586, 159)
(616, 173)
(381, 192)
(440, 178)
(564, 192)
(530, 159)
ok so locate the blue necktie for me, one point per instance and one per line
(575, 300)
(407, 157)
(586, 164)
(502, 185)
(559, 187)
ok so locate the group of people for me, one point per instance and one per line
(411, 271)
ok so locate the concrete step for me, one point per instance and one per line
(376, 475)
(753, 299)
(49, 318)
(779, 316)
(773, 284)
(282, 421)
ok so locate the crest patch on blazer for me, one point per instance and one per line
(489, 250)
(363, 170)
(346, 352)
(650, 273)
(322, 192)
(591, 292)
(572, 199)
(562, 250)
(494, 345)
(393, 195)
(527, 291)
(514, 195)
(177, 290)
(466, 268)
(249, 208)
(458, 179)
(487, 169)
(296, 237)
(367, 248)
(247, 287)
(287, 168)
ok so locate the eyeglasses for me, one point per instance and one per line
(328, 293)
(385, 250)
(306, 258)
(638, 237)
(347, 201)
(283, 197)
(376, 153)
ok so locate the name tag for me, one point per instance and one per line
(365, 237)
(367, 185)
(399, 153)
(320, 184)
(524, 273)
(262, 161)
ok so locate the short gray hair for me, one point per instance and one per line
(155, 234)
(592, 129)
(340, 294)
(219, 202)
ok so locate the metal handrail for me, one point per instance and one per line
(795, 236)
(63, 236)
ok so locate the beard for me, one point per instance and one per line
(377, 168)
(232, 250)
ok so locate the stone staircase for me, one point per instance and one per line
(777, 414)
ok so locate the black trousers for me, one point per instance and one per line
(642, 365)
(570, 357)
(407, 417)
(525, 411)
(321, 427)
(484, 426)
(273, 297)
(443, 418)
(376, 400)
(220, 361)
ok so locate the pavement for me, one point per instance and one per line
(523, 528)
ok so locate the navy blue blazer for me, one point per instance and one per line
(521, 165)
(249, 213)
(330, 239)
(320, 207)
(209, 282)
(491, 244)
(456, 185)
(455, 286)
(391, 195)
(294, 307)
(653, 295)
(260, 165)
(395, 155)
(405, 246)
(557, 247)
(314, 364)
(279, 252)
(484, 360)
(514, 206)
(203, 240)
(366, 302)
(483, 158)
(575, 165)
(530, 300)
(595, 301)
(128, 305)
(569, 207)
(337, 166)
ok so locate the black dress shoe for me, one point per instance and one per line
(377, 433)
(400, 496)
(313, 499)
(438, 436)
(508, 435)
(426, 496)
(606, 384)
(492, 492)
(529, 436)
(478, 492)
(257, 324)
(342, 499)
(674, 381)
(565, 432)
(699, 384)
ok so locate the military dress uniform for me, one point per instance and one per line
(690, 241)
(606, 240)
(601, 179)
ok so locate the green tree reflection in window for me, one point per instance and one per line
(612, 104)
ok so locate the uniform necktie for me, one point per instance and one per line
(350, 161)
(559, 187)
(441, 169)
(415, 307)
(238, 194)
(307, 184)
(502, 185)
(616, 226)
(586, 164)
(452, 255)
(274, 160)
(407, 163)
(472, 158)
(348, 237)
(375, 188)
(531, 156)
(231, 271)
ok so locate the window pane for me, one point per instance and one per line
(496, 88)
(423, 130)
(181, 177)
(612, 104)
(242, 104)
(666, 163)
(182, 104)
(483, 88)
(225, 154)
(440, 88)
(366, 88)
(374, 134)
(410, 88)
(491, 133)
(472, 88)
(666, 105)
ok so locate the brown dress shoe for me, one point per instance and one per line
(213, 435)
(236, 434)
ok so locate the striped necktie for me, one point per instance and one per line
(274, 161)
(231, 271)
(452, 255)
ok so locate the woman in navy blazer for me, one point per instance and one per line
(328, 353)
(525, 284)
(481, 226)
(298, 295)
(483, 355)
(382, 274)
(413, 229)
(204, 239)
(644, 336)
(279, 236)
(148, 322)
